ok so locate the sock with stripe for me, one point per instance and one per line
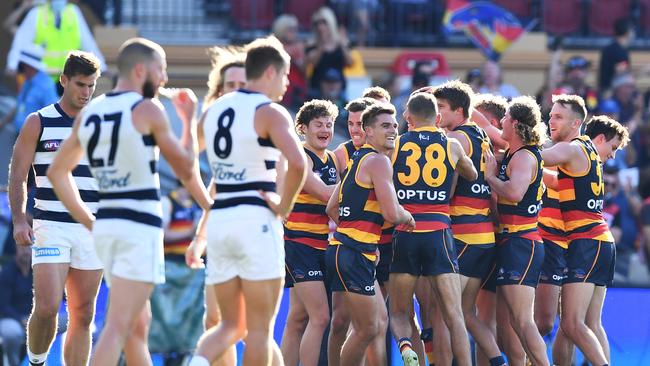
(404, 343)
(427, 338)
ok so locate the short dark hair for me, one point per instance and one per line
(316, 108)
(608, 127)
(423, 105)
(621, 27)
(359, 104)
(262, 53)
(376, 92)
(369, 116)
(457, 94)
(573, 102)
(80, 63)
(135, 51)
(494, 104)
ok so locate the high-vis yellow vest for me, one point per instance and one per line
(57, 42)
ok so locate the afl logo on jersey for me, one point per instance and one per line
(50, 145)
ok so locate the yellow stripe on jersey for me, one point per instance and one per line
(464, 210)
(359, 235)
(370, 257)
(480, 238)
(567, 195)
(551, 222)
(574, 224)
(516, 228)
(372, 206)
(304, 226)
(309, 199)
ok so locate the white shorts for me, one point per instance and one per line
(63, 242)
(244, 241)
(133, 252)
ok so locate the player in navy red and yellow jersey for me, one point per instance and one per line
(471, 223)
(565, 120)
(424, 162)
(361, 202)
(305, 236)
(591, 252)
(520, 252)
(493, 108)
(345, 150)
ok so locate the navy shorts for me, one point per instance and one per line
(424, 254)
(475, 260)
(591, 261)
(385, 259)
(303, 263)
(519, 261)
(554, 268)
(349, 270)
(490, 280)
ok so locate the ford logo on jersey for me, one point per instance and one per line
(47, 252)
(224, 172)
(51, 145)
(106, 180)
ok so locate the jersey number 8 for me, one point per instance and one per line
(222, 144)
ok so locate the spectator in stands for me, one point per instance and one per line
(615, 58)
(474, 79)
(14, 19)
(361, 11)
(618, 209)
(36, 92)
(576, 73)
(493, 82)
(422, 72)
(285, 28)
(176, 320)
(329, 48)
(331, 88)
(98, 8)
(15, 303)
(630, 101)
(60, 28)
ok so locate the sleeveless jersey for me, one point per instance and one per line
(242, 163)
(123, 161)
(182, 218)
(56, 126)
(360, 218)
(308, 223)
(581, 198)
(519, 219)
(423, 176)
(550, 224)
(470, 206)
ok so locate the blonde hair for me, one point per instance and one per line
(530, 127)
(326, 14)
(282, 23)
(222, 58)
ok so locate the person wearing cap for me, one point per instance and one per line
(37, 91)
(60, 28)
(575, 76)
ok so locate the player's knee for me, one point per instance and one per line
(320, 320)
(369, 330)
(338, 324)
(569, 326)
(544, 324)
(82, 316)
(382, 323)
(46, 309)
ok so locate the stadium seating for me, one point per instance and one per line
(252, 14)
(522, 9)
(561, 17)
(604, 13)
(303, 10)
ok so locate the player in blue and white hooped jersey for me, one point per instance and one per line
(245, 133)
(63, 256)
(121, 134)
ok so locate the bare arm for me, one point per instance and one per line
(272, 121)
(513, 189)
(60, 175)
(493, 133)
(464, 165)
(560, 154)
(380, 172)
(341, 162)
(550, 178)
(332, 208)
(196, 248)
(315, 186)
(21, 161)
